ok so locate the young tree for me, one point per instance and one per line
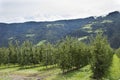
(12, 53)
(3, 56)
(73, 54)
(47, 54)
(64, 61)
(26, 53)
(102, 55)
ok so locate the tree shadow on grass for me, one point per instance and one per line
(8, 66)
(48, 68)
(29, 67)
(36, 67)
(80, 73)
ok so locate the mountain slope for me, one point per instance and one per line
(55, 30)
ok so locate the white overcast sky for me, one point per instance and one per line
(49, 10)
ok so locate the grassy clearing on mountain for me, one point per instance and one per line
(107, 21)
(83, 38)
(30, 35)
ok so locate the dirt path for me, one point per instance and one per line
(17, 77)
(20, 77)
(41, 75)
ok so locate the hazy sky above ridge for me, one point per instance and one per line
(49, 10)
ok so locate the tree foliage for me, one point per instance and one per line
(68, 54)
(102, 55)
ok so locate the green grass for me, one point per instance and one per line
(10, 38)
(88, 28)
(5, 78)
(24, 70)
(114, 72)
(41, 42)
(81, 74)
(107, 21)
(98, 31)
(82, 38)
(56, 74)
(28, 71)
(54, 25)
(30, 35)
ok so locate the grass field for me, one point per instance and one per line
(14, 72)
(114, 72)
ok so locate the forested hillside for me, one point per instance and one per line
(39, 32)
